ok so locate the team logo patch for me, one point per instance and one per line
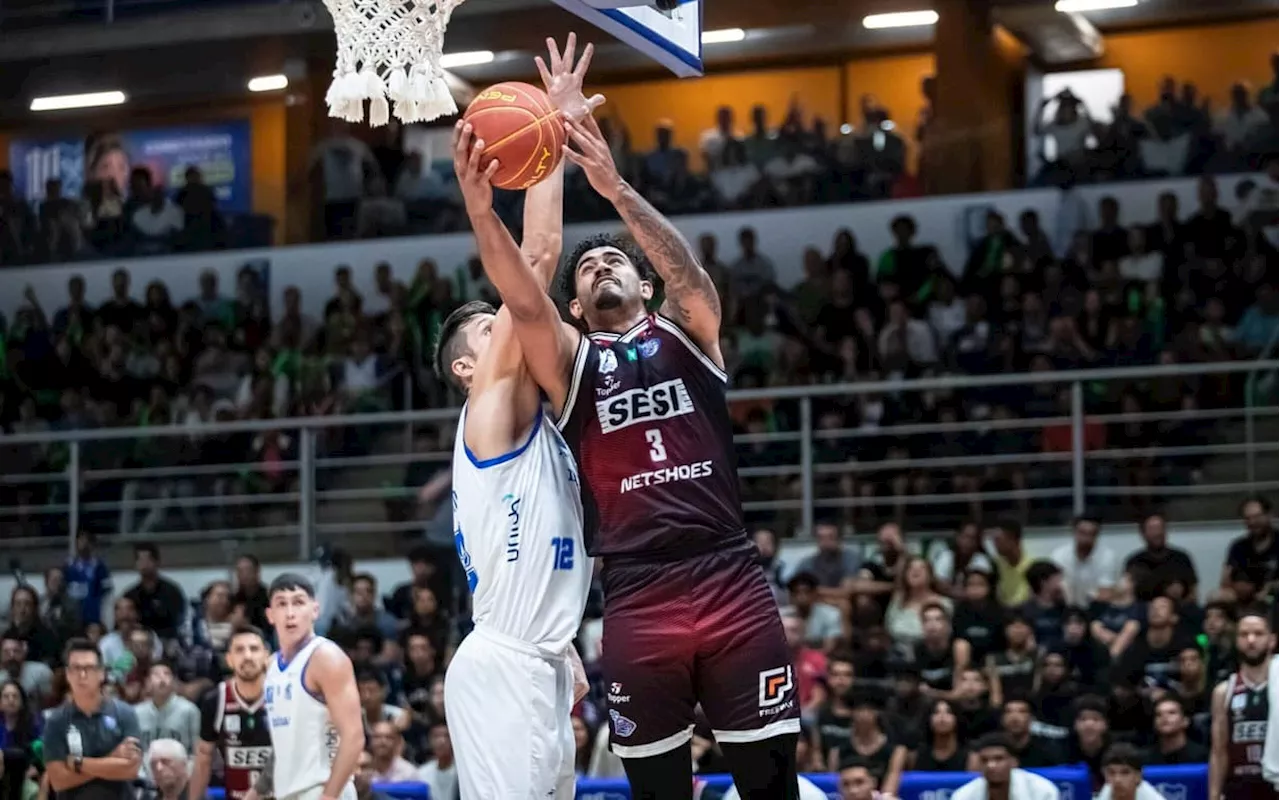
(615, 688)
(622, 727)
(608, 362)
(775, 684)
(109, 723)
(232, 723)
(649, 348)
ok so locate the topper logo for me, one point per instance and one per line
(540, 171)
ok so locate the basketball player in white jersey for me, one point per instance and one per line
(313, 705)
(517, 515)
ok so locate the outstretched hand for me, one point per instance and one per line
(593, 156)
(473, 180)
(564, 78)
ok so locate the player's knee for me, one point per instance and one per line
(765, 770)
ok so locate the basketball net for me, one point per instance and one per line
(389, 53)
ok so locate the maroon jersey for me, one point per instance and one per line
(1247, 709)
(647, 420)
(239, 731)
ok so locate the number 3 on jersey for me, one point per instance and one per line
(657, 450)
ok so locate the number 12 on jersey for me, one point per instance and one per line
(563, 558)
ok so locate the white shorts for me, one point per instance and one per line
(316, 792)
(508, 709)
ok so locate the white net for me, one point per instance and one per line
(389, 54)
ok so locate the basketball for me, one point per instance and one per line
(521, 128)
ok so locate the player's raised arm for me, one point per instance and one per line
(549, 344)
(543, 239)
(337, 684)
(692, 299)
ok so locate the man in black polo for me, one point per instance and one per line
(91, 744)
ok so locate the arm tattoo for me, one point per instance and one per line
(266, 778)
(683, 277)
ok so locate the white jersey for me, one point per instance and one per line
(303, 737)
(517, 526)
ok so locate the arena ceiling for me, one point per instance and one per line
(208, 53)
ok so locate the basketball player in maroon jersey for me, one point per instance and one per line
(233, 720)
(640, 398)
(1240, 710)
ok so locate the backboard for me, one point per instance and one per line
(672, 38)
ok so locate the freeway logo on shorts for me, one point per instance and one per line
(774, 686)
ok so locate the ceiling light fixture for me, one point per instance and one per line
(723, 36)
(268, 83)
(1071, 6)
(470, 58)
(900, 19)
(62, 102)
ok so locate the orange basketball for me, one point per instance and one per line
(521, 128)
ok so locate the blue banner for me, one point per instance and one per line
(1174, 783)
(221, 151)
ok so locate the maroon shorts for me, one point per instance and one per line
(701, 631)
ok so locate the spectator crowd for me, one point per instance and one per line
(905, 654)
(380, 187)
(1041, 296)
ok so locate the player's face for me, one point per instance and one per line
(476, 334)
(604, 280)
(856, 783)
(293, 614)
(997, 763)
(247, 657)
(1254, 642)
(1123, 780)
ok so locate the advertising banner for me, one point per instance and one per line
(221, 151)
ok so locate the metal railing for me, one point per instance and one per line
(1046, 446)
(1260, 383)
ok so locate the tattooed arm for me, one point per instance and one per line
(691, 296)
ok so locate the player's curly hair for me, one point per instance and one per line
(565, 283)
